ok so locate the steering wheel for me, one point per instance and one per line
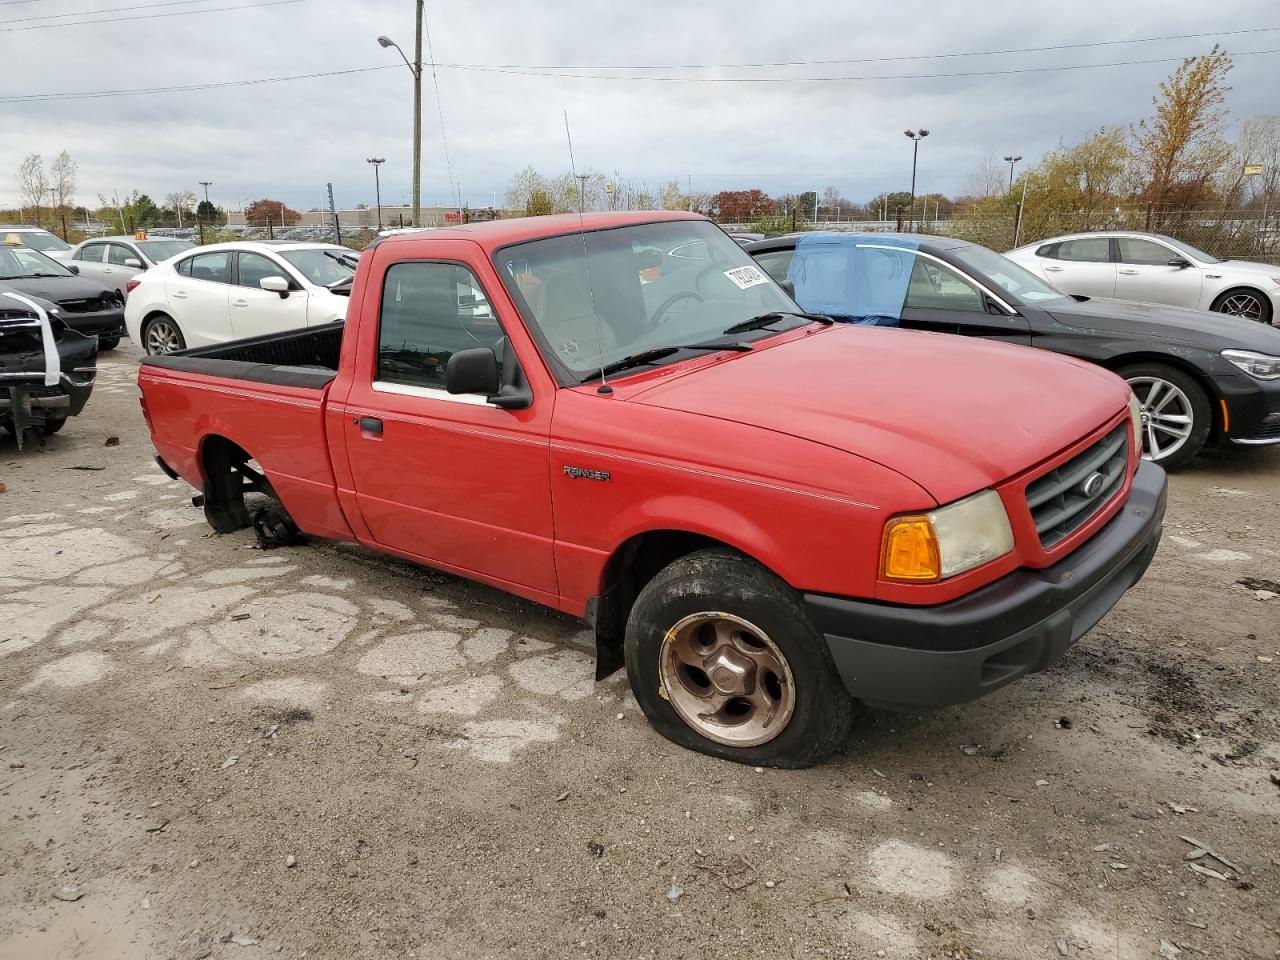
(672, 300)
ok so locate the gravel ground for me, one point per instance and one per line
(340, 755)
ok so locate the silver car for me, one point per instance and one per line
(114, 261)
(1152, 268)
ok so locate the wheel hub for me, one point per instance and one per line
(726, 679)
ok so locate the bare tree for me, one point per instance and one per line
(987, 179)
(178, 201)
(62, 174)
(33, 183)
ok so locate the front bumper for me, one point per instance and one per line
(1254, 410)
(910, 657)
(108, 323)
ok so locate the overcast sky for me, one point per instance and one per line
(285, 140)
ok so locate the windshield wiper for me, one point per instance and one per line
(34, 275)
(659, 353)
(764, 319)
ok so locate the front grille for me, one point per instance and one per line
(88, 305)
(1059, 502)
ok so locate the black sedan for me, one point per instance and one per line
(1200, 376)
(86, 306)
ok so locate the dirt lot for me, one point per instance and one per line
(339, 755)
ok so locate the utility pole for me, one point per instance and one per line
(415, 68)
(377, 185)
(915, 152)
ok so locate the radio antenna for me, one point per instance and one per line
(586, 259)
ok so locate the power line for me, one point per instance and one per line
(435, 82)
(147, 16)
(94, 13)
(837, 78)
(893, 59)
(216, 85)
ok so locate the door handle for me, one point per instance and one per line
(368, 425)
(1053, 269)
(239, 303)
(179, 295)
(1130, 273)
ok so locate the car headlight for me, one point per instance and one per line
(1135, 416)
(1259, 365)
(960, 536)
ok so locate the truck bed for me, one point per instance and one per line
(297, 358)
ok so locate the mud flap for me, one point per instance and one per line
(24, 416)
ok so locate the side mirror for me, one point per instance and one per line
(275, 285)
(73, 268)
(133, 262)
(1180, 263)
(472, 371)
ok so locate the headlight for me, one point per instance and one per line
(1135, 416)
(1258, 365)
(950, 540)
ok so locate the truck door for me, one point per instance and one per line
(448, 479)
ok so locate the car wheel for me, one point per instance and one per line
(723, 659)
(50, 427)
(1176, 416)
(108, 343)
(1243, 302)
(161, 334)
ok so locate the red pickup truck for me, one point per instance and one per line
(762, 515)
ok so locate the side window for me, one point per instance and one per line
(184, 266)
(429, 312)
(1139, 252)
(90, 253)
(118, 253)
(254, 266)
(213, 267)
(1085, 250)
(935, 287)
(775, 263)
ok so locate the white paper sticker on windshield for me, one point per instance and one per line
(743, 277)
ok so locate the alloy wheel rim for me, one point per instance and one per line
(726, 679)
(1243, 305)
(161, 338)
(1167, 416)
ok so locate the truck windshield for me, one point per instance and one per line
(638, 288)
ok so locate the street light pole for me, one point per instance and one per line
(377, 186)
(199, 222)
(915, 152)
(416, 69)
(1011, 161)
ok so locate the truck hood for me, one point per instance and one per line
(1216, 331)
(952, 414)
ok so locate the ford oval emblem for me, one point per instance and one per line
(1092, 485)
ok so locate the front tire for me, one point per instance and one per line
(161, 334)
(723, 659)
(108, 343)
(50, 427)
(1176, 415)
(1245, 303)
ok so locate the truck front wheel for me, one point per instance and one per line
(723, 659)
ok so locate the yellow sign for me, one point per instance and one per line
(13, 240)
(1253, 169)
(139, 234)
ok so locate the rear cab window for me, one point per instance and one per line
(430, 310)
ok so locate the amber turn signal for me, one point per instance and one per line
(910, 551)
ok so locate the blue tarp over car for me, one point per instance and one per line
(858, 277)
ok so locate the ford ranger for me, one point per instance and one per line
(763, 515)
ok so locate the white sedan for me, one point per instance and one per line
(229, 291)
(1152, 268)
(114, 261)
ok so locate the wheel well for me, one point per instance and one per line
(1114, 364)
(631, 566)
(1240, 288)
(220, 455)
(151, 316)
